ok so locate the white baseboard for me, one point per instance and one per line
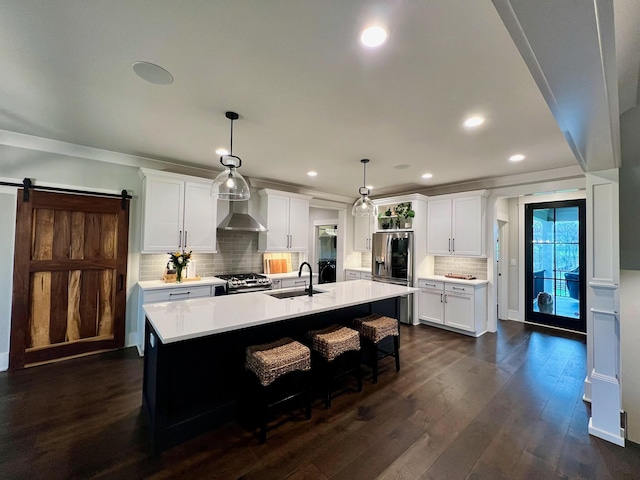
(514, 315)
(609, 437)
(132, 339)
(4, 361)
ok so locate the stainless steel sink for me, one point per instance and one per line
(294, 293)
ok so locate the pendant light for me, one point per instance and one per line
(230, 185)
(364, 207)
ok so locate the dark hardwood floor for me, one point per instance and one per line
(504, 406)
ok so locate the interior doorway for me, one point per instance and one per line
(555, 254)
(502, 269)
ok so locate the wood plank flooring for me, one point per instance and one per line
(504, 406)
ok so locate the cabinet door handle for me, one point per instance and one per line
(458, 288)
(181, 293)
(453, 247)
(430, 284)
(185, 239)
(445, 298)
(449, 244)
(180, 239)
(440, 298)
(290, 241)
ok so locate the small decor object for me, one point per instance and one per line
(180, 261)
(404, 211)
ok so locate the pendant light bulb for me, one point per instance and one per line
(230, 185)
(364, 207)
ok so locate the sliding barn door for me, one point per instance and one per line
(69, 276)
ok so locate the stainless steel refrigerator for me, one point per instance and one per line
(392, 262)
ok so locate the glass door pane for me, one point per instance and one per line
(554, 254)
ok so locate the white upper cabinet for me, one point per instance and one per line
(362, 229)
(287, 219)
(456, 225)
(178, 213)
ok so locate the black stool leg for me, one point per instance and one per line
(396, 346)
(374, 365)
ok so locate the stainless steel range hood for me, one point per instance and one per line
(239, 220)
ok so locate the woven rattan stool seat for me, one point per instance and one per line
(272, 360)
(333, 341)
(376, 327)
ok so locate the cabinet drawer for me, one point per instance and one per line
(177, 293)
(365, 276)
(352, 275)
(430, 284)
(294, 282)
(457, 288)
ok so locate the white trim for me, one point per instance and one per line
(5, 189)
(555, 328)
(514, 315)
(616, 439)
(4, 361)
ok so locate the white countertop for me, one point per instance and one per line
(199, 317)
(154, 284)
(442, 278)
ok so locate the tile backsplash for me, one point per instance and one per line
(461, 265)
(237, 253)
(365, 259)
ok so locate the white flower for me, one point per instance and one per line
(180, 260)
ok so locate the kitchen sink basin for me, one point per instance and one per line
(292, 294)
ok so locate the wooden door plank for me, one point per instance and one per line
(122, 244)
(40, 309)
(77, 235)
(60, 279)
(105, 323)
(19, 338)
(42, 249)
(73, 306)
(59, 299)
(89, 303)
(108, 235)
(92, 235)
(61, 235)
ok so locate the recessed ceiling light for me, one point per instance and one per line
(373, 36)
(152, 73)
(427, 175)
(312, 173)
(516, 158)
(402, 166)
(222, 151)
(370, 187)
(474, 121)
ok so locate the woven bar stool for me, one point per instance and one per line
(373, 329)
(336, 350)
(281, 369)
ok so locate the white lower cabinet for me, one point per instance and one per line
(149, 292)
(296, 281)
(356, 275)
(432, 302)
(454, 306)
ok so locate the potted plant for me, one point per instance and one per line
(384, 219)
(404, 211)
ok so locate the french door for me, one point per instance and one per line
(69, 276)
(555, 255)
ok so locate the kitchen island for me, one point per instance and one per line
(194, 361)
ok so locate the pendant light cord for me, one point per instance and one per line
(231, 141)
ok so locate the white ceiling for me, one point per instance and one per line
(309, 96)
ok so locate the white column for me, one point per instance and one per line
(602, 384)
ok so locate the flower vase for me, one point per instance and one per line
(178, 275)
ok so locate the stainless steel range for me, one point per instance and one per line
(246, 282)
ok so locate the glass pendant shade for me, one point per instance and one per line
(231, 186)
(364, 207)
